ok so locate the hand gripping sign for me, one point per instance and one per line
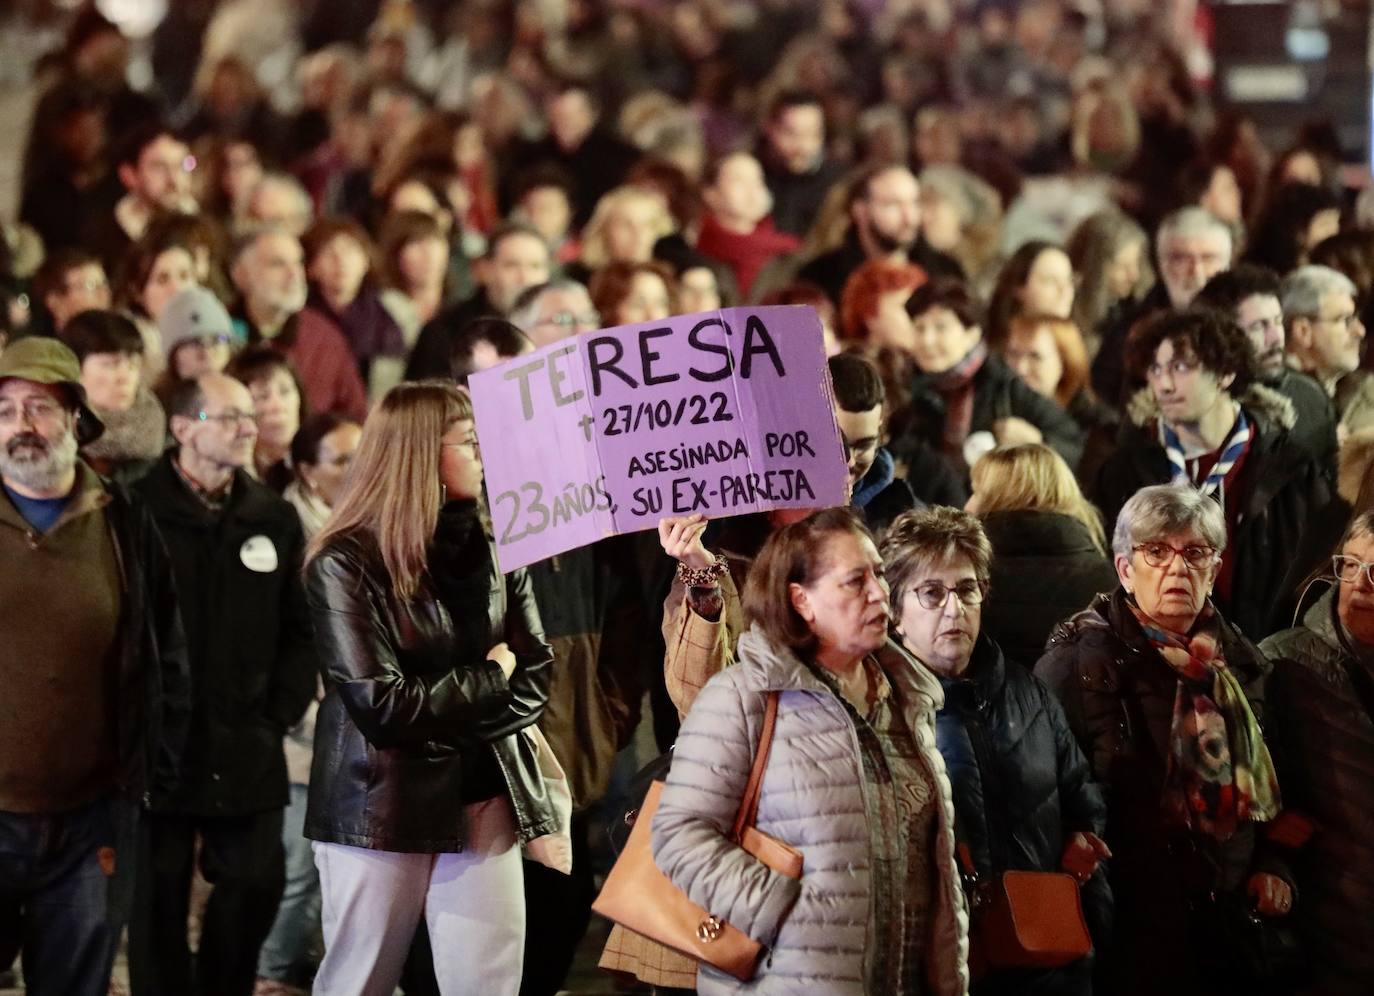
(722, 413)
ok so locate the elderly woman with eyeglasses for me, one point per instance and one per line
(1165, 698)
(1024, 798)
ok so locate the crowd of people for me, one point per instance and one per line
(1101, 603)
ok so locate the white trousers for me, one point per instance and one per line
(473, 904)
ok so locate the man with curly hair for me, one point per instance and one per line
(1204, 419)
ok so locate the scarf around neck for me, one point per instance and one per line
(1235, 447)
(1218, 771)
(955, 386)
(140, 433)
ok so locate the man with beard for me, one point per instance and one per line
(154, 165)
(95, 675)
(885, 224)
(795, 166)
(268, 270)
(236, 552)
(1249, 295)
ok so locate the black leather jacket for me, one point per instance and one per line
(408, 692)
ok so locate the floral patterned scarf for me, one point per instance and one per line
(1219, 771)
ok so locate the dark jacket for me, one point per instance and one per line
(797, 197)
(1314, 427)
(931, 477)
(430, 356)
(592, 612)
(409, 692)
(1328, 774)
(881, 496)
(1118, 696)
(1283, 490)
(1109, 366)
(1044, 569)
(830, 270)
(252, 663)
(1021, 785)
(155, 679)
(997, 394)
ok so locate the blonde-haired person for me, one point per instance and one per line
(422, 784)
(624, 226)
(1049, 547)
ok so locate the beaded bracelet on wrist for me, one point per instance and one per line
(705, 578)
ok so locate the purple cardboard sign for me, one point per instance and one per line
(722, 412)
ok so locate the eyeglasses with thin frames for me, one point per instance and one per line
(231, 418)
(1348, 570)
(35, 409)
(1197, 556)
(933, 594)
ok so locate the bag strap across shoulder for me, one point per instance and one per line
(749, 804)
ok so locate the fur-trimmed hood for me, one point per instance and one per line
(1142, 409)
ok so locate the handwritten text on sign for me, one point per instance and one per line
(722, 413)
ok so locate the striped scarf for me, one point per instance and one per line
(1219, 772)
(1231, 452)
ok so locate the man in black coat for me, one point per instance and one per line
(795, 167)
(1204, 420)
(1249, 294)
(236, 552)
(885, 223)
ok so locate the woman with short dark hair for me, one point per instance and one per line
(965, 400)
(110, 350)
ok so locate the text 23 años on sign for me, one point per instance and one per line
(542, 512)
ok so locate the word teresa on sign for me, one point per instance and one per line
(723, 413)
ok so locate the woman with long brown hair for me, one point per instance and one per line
(424, 777)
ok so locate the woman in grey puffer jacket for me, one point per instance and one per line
(854, 782)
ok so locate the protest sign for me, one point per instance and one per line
(722, 413)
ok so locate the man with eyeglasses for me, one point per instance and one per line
(1324, 673)
(875, 489)
(236, 551)
(1250, 295)
(1192, 246)
(554, 311)
(93, 665)
(1201, 421)
(1325, 338)
(69, 282)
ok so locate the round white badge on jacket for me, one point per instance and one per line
(258, 553)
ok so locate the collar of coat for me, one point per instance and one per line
(982, 682)
(1108, 624)
(1265, 403)
(248, 501)
(767, 667)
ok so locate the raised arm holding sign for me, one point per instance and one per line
(718, 413)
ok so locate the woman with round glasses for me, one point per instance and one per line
(1024, 798)
(1322, 668)
(1165, 697)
